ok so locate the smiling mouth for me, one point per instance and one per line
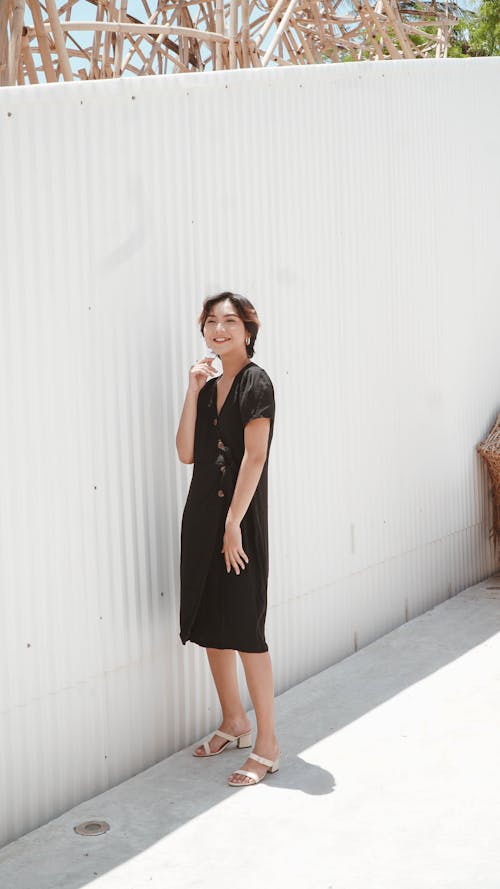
(225, 340)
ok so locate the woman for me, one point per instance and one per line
(226, 429)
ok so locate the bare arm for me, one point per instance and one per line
(252, 464)
(184, 440)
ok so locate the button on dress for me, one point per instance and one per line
(221, 609)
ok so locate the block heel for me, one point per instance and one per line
(272, 766)
(245, 740)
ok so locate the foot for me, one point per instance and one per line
(269, 751)
(231, 727)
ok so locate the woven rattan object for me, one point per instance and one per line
(490, 450)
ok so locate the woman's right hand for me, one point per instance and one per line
(200, 372)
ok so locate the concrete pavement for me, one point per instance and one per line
(389, 779)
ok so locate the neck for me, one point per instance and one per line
(232, 364)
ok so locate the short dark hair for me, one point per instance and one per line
(244, 309)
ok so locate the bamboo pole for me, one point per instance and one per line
(327, 36)
(265, 28)
(279, 32)
(254, 54)
(4, 42)
(28, 60)
(20, 74)
(135, 43)
(287, 41)
(137, 49)
(219, 27)
(117, 69)
(132, 28)
(106, 69)
(395, 20)
(302, 39)
(96, 44)
(245, 33)
(148, 67)
(57, 31)
(184, 42)
(233, 31)
(379, 27)
(16, 35)
(43, 41)
(368, 28)
(239, 54)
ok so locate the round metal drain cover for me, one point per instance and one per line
(92, 828)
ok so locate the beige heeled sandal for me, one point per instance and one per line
(244, 740)
(271, 767)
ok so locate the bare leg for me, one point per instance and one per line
(259, 677)
(234, 718)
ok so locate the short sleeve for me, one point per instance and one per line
(256, 396)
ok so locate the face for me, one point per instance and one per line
(224, 330)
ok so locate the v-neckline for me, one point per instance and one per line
(217, 412)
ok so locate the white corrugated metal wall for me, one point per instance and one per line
(358, 207)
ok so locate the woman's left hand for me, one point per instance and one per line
(232, 548)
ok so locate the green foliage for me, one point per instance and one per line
(485, 33)
(477, 33)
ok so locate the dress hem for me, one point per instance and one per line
(227, 647)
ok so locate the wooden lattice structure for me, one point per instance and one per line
(490, 451)
(92, 39)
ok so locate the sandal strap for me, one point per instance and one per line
(226, 736)
(262, 759)
(253, 775)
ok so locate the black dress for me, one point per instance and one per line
(221, 609)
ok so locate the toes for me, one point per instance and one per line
(241, 779)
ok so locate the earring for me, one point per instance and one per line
(247, 340)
